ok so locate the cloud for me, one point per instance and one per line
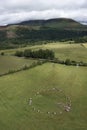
(12, 11)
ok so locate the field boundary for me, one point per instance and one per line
(69, 62)
(25, 67)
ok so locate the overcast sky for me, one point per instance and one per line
(12, 11)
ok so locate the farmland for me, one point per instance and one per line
(17, 89)
(62, 50)
(85, 45)
(8, 63)
(36, 99)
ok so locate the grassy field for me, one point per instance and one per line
(38, 83)
(62, 51)
(69, 51)
(36, 99)
(85, 45)
(8, 63)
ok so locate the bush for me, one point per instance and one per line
(19, 53)
(2, 53)
(67, 62)
(42, 54)
(27, 53)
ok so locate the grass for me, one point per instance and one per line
(76, 53)
(62, 51)
(85, 45)
(12, 51)
(16, 89)
(39, 83)
(11, 63)
(69, 51)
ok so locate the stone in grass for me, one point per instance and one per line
(53, 88)
(60, 112)
(30, 101)
(38, 93)
(48, 112)
(67, 108)
(77, 65)
(54, 113)
(38, 111)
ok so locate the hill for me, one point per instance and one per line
(53, 23)
(42, 31)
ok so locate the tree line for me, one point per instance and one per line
(41, 54)
(26, 36)
(47, 55)
(48, 34)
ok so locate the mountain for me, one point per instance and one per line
(39, 31)
(57, 23)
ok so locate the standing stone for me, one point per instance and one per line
(30, 101)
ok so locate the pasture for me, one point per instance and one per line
(8, 63)
(76, 52)
(85, 45)
(68, 51)
(38, 84)
(46, 97)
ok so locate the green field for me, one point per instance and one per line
(37, 98)
(17, 89)
(8, 63)
(62, 51)
(85, 45)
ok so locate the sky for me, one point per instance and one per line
(14, 11)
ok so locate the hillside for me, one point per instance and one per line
(54, 23)
(42, 31)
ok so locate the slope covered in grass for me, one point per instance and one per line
(85, 45)
(76, 52)
(65, 50)
(8, 63)
(18, 88)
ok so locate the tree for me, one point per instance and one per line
(67, 62)
(19, 53)
(2, 53)
(43, 54)
(27, 53)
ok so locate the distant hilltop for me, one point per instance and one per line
(50, 22)
(58, 23)
(42, 31)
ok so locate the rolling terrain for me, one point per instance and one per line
(8, 63)
(17, 89)
(61, 23)
(49, 96)
(35, 32)
(63, 51)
